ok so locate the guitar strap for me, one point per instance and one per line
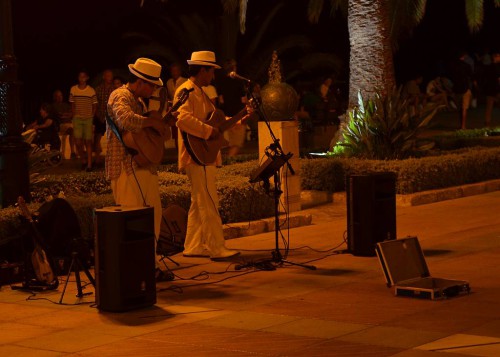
(116, 131)
(184, 134)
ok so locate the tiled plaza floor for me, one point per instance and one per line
(343, 308)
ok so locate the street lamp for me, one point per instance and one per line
(14, 173)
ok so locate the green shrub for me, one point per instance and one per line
(240, 169)
(239, 201)
(413, 175)
(487, 137)
(384, 128)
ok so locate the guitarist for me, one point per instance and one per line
(134, 185)
(204, 236)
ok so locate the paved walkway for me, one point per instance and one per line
(343, 308)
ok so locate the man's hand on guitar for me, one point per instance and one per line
(171, 119)
(250, 108)
(154, 121)
(215, 133)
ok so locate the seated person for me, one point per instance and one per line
(65, 116)
(411, 91)
(436, 92)
(47, 128)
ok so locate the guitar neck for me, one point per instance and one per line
(181, 99)
(233, 120)
(172, 109)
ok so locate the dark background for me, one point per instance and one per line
(54, 39)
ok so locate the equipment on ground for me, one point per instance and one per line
(371, 211)
(404, 267)
(124, 258)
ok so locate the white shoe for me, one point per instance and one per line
(226, 253)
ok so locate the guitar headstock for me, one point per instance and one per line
(24, 209)
(252, 105)
(182, 97)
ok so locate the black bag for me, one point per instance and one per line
(60, 228)
(173, 231)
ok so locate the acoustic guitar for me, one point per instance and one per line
(43, 270)
(149, 142)
(204, 152)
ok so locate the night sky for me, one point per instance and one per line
(54, 39)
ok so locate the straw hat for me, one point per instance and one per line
(203, 58)
(147, 70)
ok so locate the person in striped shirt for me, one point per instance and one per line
(83, 101)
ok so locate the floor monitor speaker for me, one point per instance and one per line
(371, 211)
(124, 258)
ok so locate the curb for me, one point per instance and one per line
(425, 197)
(243, 229)
(312, 198)
(432, 196)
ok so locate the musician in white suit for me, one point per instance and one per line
(204, 237)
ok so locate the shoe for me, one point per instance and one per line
(197, 254)
(161, 275)
(226, 253)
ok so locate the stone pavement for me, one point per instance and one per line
(343, 308)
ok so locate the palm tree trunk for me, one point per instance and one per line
(371, 59)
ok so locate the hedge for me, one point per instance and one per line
(240, 201)
(413, 175)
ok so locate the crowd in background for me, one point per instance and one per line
(458, 86)
(82, 118)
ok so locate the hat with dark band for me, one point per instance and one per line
(203, 58)
(147, 70)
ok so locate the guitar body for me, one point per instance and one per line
(41, 265)
(149, 144)
(205, 152)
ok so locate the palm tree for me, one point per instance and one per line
(374, 28)
(191, 30)
(371, 59)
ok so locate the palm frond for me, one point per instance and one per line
(405, 15)
(340, 5)
(474, 10)
(243, 15)
(263, 26)
(314, 9)
(230, 6)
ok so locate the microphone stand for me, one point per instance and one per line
(276, 153)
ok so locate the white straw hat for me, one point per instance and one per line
(147, 69)
(203, 58)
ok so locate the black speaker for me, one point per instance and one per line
(371, 211)
(124, 258)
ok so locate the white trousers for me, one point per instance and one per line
(204, 229)
(126, 192)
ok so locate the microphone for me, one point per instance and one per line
(235, 75)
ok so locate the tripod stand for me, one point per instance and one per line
(276, 160)
(76, 265)
(277, 257)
